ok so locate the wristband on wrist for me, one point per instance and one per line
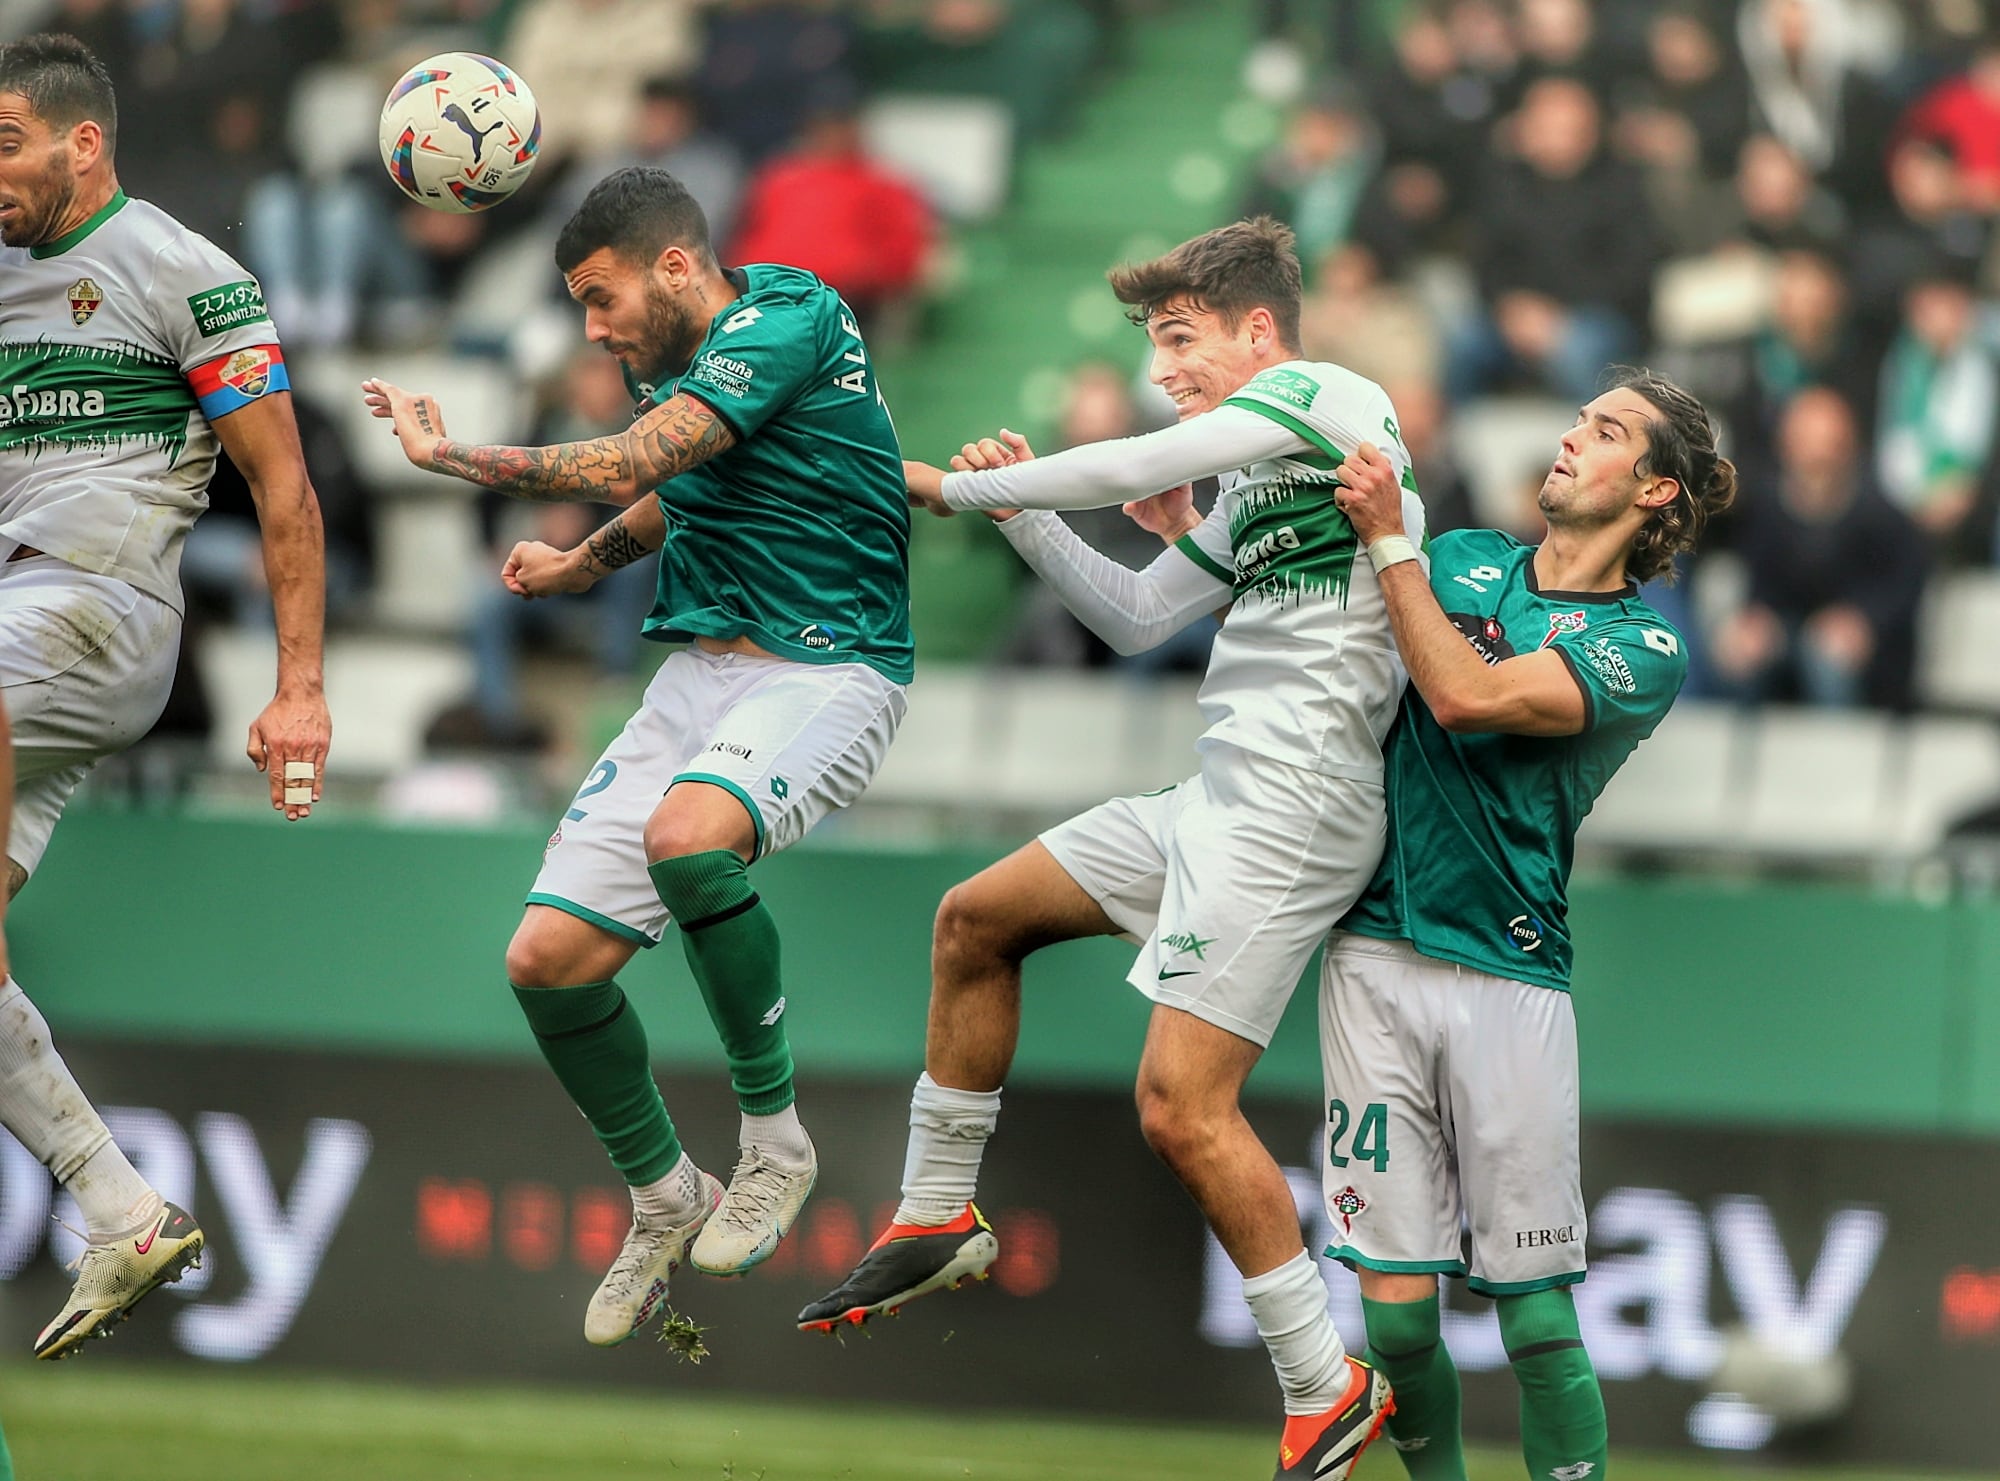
(1390, 550)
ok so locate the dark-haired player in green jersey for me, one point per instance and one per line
(1445, 1023)
(764, 470)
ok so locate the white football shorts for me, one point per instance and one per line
(1451, 1107)
(86, 664)
(793, 741)
(1230, 880)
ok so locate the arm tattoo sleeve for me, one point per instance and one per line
(668, 440)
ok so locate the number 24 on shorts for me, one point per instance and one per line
(1371, 1134)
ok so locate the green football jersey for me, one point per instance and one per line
(1482, 828)
(798, 537)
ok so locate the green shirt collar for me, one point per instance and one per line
(76, 234)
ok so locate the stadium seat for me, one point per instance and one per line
(945, 749)
(430, 563)
(1717, 298)
(330, 122)
(1173, 724)
(1820, 785)
(1681, 790)
(383, 692)
(1505, 444)
(957, 150)
(1949, 766)
(1956, 667)
(1070, 740)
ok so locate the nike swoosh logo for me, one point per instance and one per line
(144, 1246)
(1192, 972)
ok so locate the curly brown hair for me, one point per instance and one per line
(1681, 445)
(1247, 265)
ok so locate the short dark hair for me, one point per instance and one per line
(638, 213)
(64, 82)
(1681, 444)
(1229, 271)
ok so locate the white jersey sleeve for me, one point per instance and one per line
(1102, 473)
(1131, 610)
(212, 319)
(1318, 404)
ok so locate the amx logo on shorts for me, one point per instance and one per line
(1181, 943)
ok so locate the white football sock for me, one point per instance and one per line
(41, 1103)
(673, 1199)
(779, 1137)
(948, 1132)
(1289, 1307)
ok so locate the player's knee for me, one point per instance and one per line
(967, 929)
(1165, 1120)
(538, 958)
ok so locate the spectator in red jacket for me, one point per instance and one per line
(827, 207)
(1963, 114)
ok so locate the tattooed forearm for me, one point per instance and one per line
(569, 472)
(635, 531)
(668, 440)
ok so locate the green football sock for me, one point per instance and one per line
(6, 1461)
(1562, 1408)
(1404, 1341)
(593, 1040)
(732, 946)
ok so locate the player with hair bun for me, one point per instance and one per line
(1446, 1031)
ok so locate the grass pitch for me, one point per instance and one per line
(82, 1422)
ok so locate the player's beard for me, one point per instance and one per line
(38, 212)
(671, 335)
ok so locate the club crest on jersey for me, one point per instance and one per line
(1565, 622)
(84, 297)
(1348, 1204)
(248, 372)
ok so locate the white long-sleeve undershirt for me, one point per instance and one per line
(1101, 473)
(1131, 610)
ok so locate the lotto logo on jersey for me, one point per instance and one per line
(247, 372)
(84, 297)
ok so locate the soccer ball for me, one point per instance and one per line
(460, 132)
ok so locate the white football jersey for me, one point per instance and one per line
(120, 344)
(1305, 669)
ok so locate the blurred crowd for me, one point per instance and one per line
(1787, 204)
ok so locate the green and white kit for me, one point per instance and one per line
(1447, 1033)
(121, 344)
(1257, 856)
(796, 538)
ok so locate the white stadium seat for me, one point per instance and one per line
(1820, 784)
(1682, 788)
(1957, 666)
(1949, 767)
(1504, 443)
(1070, 740)
(957, 150)
(430, 563)
(482, 402)
(946, 746)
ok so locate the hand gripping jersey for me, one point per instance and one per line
(1305, 668)
(798, 536)
(120, 344)
(1482, 828)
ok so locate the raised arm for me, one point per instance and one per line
(262, 439)
(678, 434)
(1531, 694)
(1117, 472)
(1131, 610)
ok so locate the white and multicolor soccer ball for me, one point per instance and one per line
(460, 132)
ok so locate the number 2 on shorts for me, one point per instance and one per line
(601, 776)
(1371, 1134)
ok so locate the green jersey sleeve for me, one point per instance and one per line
(758, 362)
(1629, 669)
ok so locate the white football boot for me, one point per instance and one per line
(114, 1275)
(762, 1201)
(635, 1287)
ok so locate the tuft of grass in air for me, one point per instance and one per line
(682, 1336)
